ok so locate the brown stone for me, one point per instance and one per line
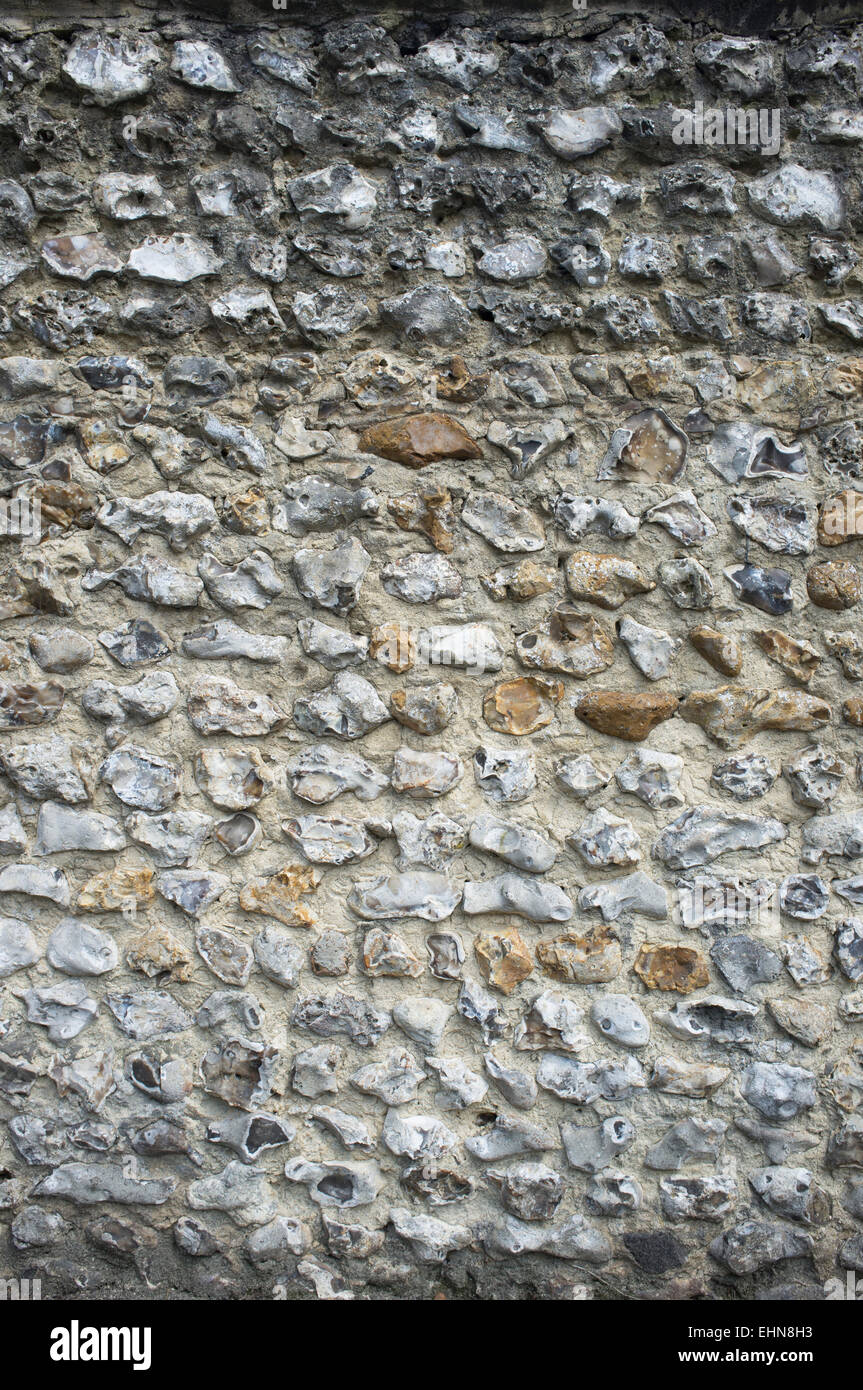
(798, 658)
(30, 704)
(589, 958)
(834, 584)
(103, 447)
(731, 714)
(246, 514)
(625, 713)
(852, 711)
(393, 646)
(656, 449)
(416, 440)
(65, 505)
(279, 895)
(694, 1079)
(519, 582)
(386, 953)
(719, 648)
(522, 706)
(117, 890)
(503, 958)
(454, 381)
(157, 953)
(568, 641)
(679, 968)
(841, 518)
(606, 580)
(787, 385)
(430, 513)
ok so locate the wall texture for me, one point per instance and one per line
(431, 818)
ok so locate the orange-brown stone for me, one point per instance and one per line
(678, 968)
(519, 582)
(589, 958)
(834, 584)
(606, 580)
(730, 714)
(455, 382)
(65, 504)
(522, 706)
(852, 711)
(719, 648)
(246, 514)
(797, 658)
(117, 890)
(393, 646)
(279, 895)
(625, 713)
(503, 958)
(157, 953)
(416, 440)
(430, 513)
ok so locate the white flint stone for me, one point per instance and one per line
(525, 897)
(523, 848)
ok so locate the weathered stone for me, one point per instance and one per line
(569, 642)
(417, 440)
(834, 584)
(593, 957)
(623, 714)
(279, 895)
(731, 714)
(721, 649)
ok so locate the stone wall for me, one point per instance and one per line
(431, 809)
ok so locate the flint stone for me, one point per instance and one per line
(417, 1136)
(348, 708)
(703, 834)
(331, 646)
(340, 1013)
(584, 1083)
(18, 946)
(332, 579)
(61, 829)
(685, 1141)
(89, 1183)
(506, 526)
(423, 776)
(509, 1136)
(604, 840)
(840, 835)
(172, 839)
(47, 770)
(621, 896)
(180, 517)
(580, 776)
(653, 777)
(387, 897)
(515, 893)
(523, 848)
(33, 881)
(752, 1245)
(503, 775)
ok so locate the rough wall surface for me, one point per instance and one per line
(431, 809)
